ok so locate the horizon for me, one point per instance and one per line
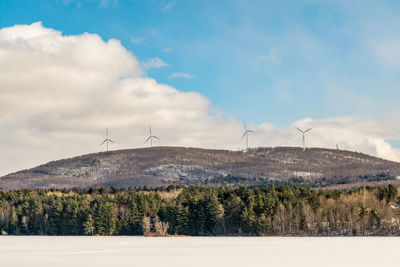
(195, 71)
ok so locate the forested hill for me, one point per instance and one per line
(162, 166)
(202, 210)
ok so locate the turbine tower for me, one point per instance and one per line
(151, 137)
(304, 136)
(107, 140)
(246, 134)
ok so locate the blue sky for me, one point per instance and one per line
(275, 61)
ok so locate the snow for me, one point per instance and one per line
(198, 251)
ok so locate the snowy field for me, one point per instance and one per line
(198, 251)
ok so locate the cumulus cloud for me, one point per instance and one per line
(154, 63)
(183, 75)
(58, 93)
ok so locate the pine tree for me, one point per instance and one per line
(88, 226)
(13, 222)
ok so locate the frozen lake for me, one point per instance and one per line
(198, 251)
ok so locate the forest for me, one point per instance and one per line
(273, 210)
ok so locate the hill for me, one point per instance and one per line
(162, 166)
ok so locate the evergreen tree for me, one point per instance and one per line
(88, 226)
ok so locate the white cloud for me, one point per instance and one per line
(107, 3)
(101, 3)
(64, 2)
(272, 57)
(387, 51)
(183, 75)
(58, 94)
(137, 40)
(168, 6)
(154, 63)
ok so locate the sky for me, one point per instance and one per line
(195, 70)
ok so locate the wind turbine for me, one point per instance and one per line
(304, 136)
(107, 140)
(246, 134)
(151, 137)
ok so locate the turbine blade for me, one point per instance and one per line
(250, 131)
(243, 135)
(103, 142)
(111, 140)
(156, 137)
(244, 124)
(308, 130)
(147, 139)
(299, 129)
(150, 129)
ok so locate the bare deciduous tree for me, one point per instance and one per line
(146, 226)
(160, 228)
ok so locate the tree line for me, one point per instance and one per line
(202, 210)
(230, 180)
